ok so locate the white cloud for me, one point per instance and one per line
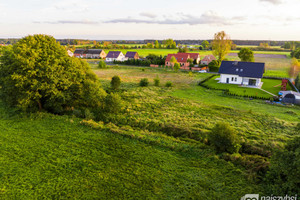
(147, 14)
(275, 2)
(206, 18)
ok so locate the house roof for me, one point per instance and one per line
(79, 51)
(181, 58)
(113, 54)
(94, 51)
(130, 54)
(209, 58)
(243, 69)
(194, 56)
(89, 51)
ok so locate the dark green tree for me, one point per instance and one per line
(115, 82)
(36, 73)
(214, 66)
(246, 55)
(296, 53)
(205, 44)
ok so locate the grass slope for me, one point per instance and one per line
(55, 157)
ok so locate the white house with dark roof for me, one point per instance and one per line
(115, 55)
(242, 73)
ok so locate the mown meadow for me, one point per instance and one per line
(155, 148)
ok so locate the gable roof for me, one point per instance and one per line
(79, 51)
(181, 58)
(94, 51)
(130, 54)
(194, 56)
(113, 54)
(243, 69)
(209, 58)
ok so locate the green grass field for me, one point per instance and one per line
(45, 156)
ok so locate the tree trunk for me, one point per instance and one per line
(40, 105)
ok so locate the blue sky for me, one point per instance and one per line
(155, 19)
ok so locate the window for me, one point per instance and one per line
(232, 79)
(237, 70)
(235, 79)
(241, 70)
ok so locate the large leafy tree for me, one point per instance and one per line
(246, 55)
(205, 44)
(221, 45)
(36, 73)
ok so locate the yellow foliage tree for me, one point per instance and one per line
(221, 45)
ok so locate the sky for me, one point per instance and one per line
(151, 19)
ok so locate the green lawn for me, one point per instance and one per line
(237, 89)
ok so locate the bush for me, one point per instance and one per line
(156, 81)
(102, 64)
(115, 82)
(169, 84)
(176, 67)
(284, 177)
(214, 66)
(113, 103)
(144, 82)
(224, 138)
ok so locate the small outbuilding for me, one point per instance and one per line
(290, 97)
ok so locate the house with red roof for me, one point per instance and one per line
(207, 59)
(182, 59)
(194, 56)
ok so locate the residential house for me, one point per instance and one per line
(194, 56)
(243, 73)
(132, 55)
(80, 53)
(207, 59)
(115, 55)
(70, 53)
(182, 58)
(89, 53)
(95, 53)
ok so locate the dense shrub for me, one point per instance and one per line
(37, 74)
(156, 81)
(296, 53)
(102, 64)
(176, 67)
(115, 82)
(144, 82)
(284, 177)
(214, 66)
(169, 84)
(113, 103)
(224, 138)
